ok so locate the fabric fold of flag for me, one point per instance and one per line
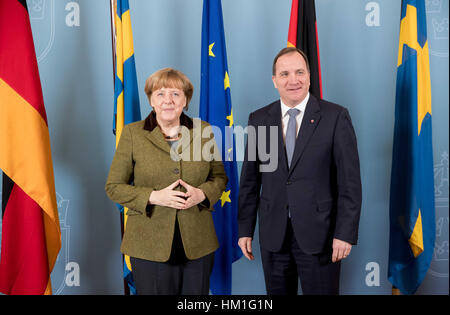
(303, 35)
(215, 108)
(31, 234)
(412, 209)
(126, 94)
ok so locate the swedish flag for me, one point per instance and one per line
(215, 108)
(412, 211)
(126, 95)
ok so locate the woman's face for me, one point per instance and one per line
(168, 103)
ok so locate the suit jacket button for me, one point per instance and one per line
(288, 182)
(176, 171)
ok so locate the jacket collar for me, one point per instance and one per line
(156, 136)
(151, 122)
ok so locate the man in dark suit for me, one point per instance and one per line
(309, 206)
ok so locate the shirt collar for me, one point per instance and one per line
(301, 106)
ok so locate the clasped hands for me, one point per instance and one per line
(168, 197)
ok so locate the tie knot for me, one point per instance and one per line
(293, 112)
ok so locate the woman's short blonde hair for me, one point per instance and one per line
(169, 78)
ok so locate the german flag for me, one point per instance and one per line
(303, 35)
(31, 235)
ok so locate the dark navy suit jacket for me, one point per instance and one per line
(321, 190)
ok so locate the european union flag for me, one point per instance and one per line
(215, 108)
(412, 211)
(126, 95)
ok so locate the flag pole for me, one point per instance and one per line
(113, 36)
(112, 6)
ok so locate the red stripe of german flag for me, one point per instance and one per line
(31, 235)
(303, 35)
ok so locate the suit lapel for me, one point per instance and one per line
(154, 134)
(274, 119)
(157, 138)
(310, 122)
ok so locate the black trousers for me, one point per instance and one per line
(318, 275)
(177, 276)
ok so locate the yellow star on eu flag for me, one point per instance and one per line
(210, 50)
(226, 81)
(230, 118)
(230, 154)
(225, 197)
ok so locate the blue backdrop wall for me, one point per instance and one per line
(358, 45)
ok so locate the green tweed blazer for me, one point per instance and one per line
(143, 163)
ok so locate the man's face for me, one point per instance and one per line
(291, 78)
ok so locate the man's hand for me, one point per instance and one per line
(341, 250)
(245, 243)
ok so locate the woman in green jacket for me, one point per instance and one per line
(168, 173)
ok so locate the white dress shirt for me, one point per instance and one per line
(299, 117)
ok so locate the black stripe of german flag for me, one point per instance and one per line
(303, 35)
(7, 185)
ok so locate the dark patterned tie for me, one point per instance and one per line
(291, 133)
